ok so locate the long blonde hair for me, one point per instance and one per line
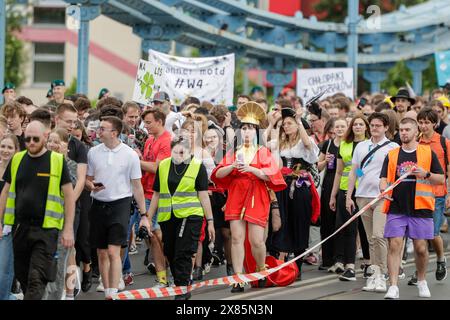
(284, 138)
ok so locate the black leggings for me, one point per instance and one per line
(345, 242)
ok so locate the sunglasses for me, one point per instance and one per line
(35, 139)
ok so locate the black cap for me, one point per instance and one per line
(161, 97)
(289, 112)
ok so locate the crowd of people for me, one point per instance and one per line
(202, 184)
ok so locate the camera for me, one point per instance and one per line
(143, 233)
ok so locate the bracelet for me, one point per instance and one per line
(144, 214)
(209, 219)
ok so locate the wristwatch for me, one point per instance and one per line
(428, 175)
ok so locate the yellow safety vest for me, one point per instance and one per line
(345, 150)
(54, 206)
(185, 201)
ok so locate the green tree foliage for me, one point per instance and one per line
(72, 88)
(14, 46)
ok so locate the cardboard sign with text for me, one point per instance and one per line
(311, 82)
(148, 81)
(208, 79)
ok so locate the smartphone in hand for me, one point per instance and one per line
(98, 184)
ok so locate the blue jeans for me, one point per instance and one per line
(6, 267)
(438, 214)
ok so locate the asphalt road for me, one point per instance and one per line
(315, 285)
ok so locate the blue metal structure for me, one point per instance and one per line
(2, 44)
(276, 43)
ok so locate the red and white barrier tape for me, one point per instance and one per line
(244, 278)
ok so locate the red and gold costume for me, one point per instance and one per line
(248, 198)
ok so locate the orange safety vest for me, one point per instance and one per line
(424, 193)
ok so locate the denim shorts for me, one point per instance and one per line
(438, 214)
(401, 225)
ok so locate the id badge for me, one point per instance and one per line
(359, 172)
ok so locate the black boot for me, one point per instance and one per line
(237, 287)
(299, 263)
(86, 284)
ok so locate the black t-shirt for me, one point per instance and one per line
(77, 151)
(329, 175)
(201, 182)
(405, 193)
(397, 139)
(32, 181)
(21, 139)
(441, 127)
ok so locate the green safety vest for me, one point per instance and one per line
(54, 206)
(346, 152)
(185, 201)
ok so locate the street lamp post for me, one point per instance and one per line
(352, 42)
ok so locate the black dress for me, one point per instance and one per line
(295, 212)
(327, 216)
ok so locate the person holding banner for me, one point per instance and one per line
(409, 207)
(299, 204)
(246, 174)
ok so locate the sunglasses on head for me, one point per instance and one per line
(35, 139)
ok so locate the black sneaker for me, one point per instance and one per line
(323, 268)
(413, 280)
(151, 268)
(237, 287)
(348, 275)
(367, 271)
(87, 281)
(441, 271)
(339, 268)
(185, 296)
(197, 274)
(262, 283)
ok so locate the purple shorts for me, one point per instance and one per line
(399, 226)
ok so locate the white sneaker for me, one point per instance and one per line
(393, 293)
(371, 283)
(121, 284)
(100, 287)
(380, 284)
(409, 246)
(359, 254)
(19, 296)
(160, 285)
(424, 292)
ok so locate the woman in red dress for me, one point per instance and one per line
(247, 174)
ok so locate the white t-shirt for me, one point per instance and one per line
(115, 169)
(369, 182)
